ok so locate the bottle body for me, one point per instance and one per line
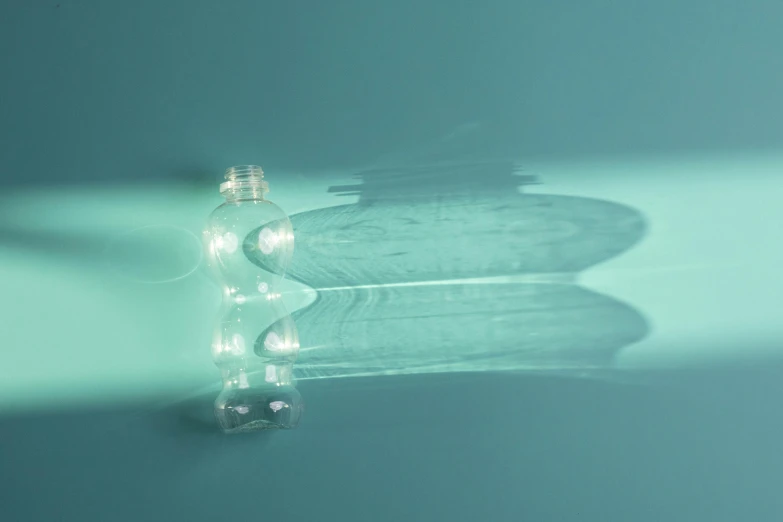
(249, 243)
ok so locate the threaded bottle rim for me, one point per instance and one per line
(247, 180)
(244, 171)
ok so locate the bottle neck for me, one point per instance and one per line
(243, 183)
(244, 194)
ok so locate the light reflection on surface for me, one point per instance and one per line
(156, 328)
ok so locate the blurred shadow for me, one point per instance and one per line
(148, 254)
(68, 247)
(194, 416)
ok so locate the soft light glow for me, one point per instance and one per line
(237, 344)
(229, 242)
(243, 384)
(274, 343)
(271, 374)
(267, 240)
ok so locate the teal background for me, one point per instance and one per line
(139, 90)
(537, 268)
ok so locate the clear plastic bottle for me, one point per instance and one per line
(249, 242)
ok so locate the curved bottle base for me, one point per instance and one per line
(258, 409)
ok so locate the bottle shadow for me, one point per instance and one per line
(449, 267)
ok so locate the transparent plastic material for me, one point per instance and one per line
(249, 242)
